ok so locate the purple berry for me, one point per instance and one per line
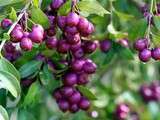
(76, 46)
(5, 23)
(82, 79)
(26, 44)
(16, 35)
(78, 53)
(84, 104)
(56, 4)
(145, 55)
(73, 108)
(51, 31)
(83, 24)
(57, 94)
(63, 105)
(67, 91)
(61, 22)
(77, 65)
(73, 39)
(72, 19)
(89, 47)
(38, 28)
(156, 53)
(70, 79)
(75, 97)
(88, 31)
(89, 67)
(141, 44)
(26, 34)
(71, 30)
(105, 45)
(62, 46)
(123, 42)
(51, 42)
(146, 93)
(9, 47)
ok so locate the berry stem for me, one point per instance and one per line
(14, 24)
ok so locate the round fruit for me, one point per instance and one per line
(156, 53)
(51, 42)
(16, 35)
(141, 44)
(26, 44)
(75, 97)
(63, 105)
(70, 79)
(105, 45)
(145, 55)
(84, 104)
(72, 19)
(6, 23)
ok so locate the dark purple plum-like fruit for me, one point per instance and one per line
(38, 28)
(89, 47)
(83, 24)
(88, 31)
(156, 53)
(145, 55)
(67, 91)
(82, 79)
(72, 19)
(57, 94)
(61, 22)
(105, 45)
(75, 97)
(6, 23)
(51, 43)
(73, 108)
(70, 79)
(71, 30)
(9, 47)
(26, 44)
(76, 46)
(63, 105)
(89, 67)
(25, 34)
(146, 93)
(63, 46)
(16, 35)
(124, 43)
(56, 4)
(73, 39)
(77, 65)
(141, 44)
(79, 53)
(51, 31)
(84, 104)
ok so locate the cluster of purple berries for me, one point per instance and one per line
(26, 39)
(150, 92)
(70, 99)
(145, 54)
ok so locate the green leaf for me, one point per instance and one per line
(156, 20)
(86, 92)
(13, 14)
(6, 36)
(5, 65)
(124, 16)
(3, 114)
(92, 7)
(45, 4)
(137, 29)
(29, 68)
(33, 94)
(39, 17)
(36, 3)
(9, 82)
(8, 2)
(66, 8)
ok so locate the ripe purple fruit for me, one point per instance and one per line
(89, 67)
(123, 42)
(105, 45)
(73, 108)
(77, 65)
(88, 31)
(156, 53)
(56, 4)
(61, 22)
(5, 23)
(26, 44)
(145, 55)
(141, 44)
(25, 34)
(16, 35)
(83, 24)
(63, 105)
(72, 19)
(67, 91)
(82, 79)
(78, 53)
(70, 79)
(146, 93)
(84, 104)
(57, 94)
(51, 42)
(75, 97)
(73, 39)
(71, 30)
(62, 46)
(89, 47)
(38, 28)
(76, 46)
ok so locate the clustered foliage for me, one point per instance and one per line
(60, 51)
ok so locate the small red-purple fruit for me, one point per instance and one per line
(63, 46)
(63, 105)
(79, 53)
(51, 43)
(56, 4)
(156, 53)
(73, 108)
(72, 19)
(26, 44)
(89, 47)
(75, 97)
(123, 42)
(67, 91)
(16, 35)
(84, 104)
(61, 22)
(89, 67)
(73, 39)
(70, 79)
(83, 24)
(82, 79)
(77, 65)
(141, 44)
(145, 55)
(57, 94)
(5, 23)
(71, 30)
(105, 45)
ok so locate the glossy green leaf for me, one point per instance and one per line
(92, 7)
(156, 20)
(5, 65)
(13, 14)
(39, 17)
(36, 3)
(29, 68)
(124, 16)
(86, 92)
(10, 83)
(66, 8)
(3, 114)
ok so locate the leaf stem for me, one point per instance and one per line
(14, 24)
